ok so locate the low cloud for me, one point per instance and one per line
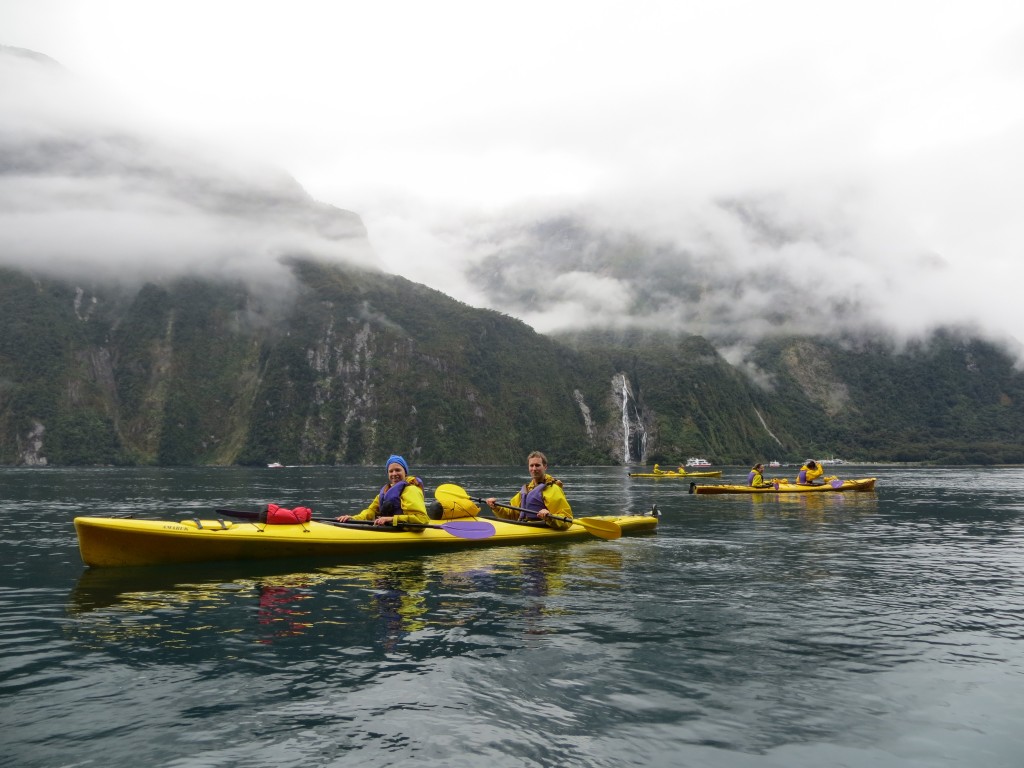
(733, 181)
(83, 195)
(816, 258)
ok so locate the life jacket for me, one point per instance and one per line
(532, 501)
(391, 499)
(753, 474)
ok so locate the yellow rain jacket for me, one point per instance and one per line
(413, 506)
(554, 502)
(809, 475)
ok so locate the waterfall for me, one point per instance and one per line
(625, 421)
(631, 429)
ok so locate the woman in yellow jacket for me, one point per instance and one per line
(755, 478)
(399, 502)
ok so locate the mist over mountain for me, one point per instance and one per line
(89, 187)
(743, 271)
(85, 190)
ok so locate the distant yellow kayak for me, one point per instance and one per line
(833, 486)
(713, 473)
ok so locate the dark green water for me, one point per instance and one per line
(882, 629)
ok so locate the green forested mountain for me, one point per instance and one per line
(950, 399)
(348, 366)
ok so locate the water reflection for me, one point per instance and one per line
(816, 506)
(280, 609)
(382, 605)
(849, 629)
(397, 602)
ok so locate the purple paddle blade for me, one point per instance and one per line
(837, 483)
(469, 529)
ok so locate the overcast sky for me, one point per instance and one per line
(900, 124)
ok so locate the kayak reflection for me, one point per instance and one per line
(379, 607)
(814, 506)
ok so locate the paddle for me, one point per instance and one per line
(463, 529)
(605, 529)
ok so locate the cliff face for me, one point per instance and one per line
(347, 366)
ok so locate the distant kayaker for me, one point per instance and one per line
(756, 477)
(809, 472)
(657, 470)
(399, 502)
(541, 497)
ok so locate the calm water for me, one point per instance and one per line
(882, 629)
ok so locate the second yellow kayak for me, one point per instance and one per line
(833, 486)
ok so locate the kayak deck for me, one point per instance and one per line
(119, 542)
(862, 484)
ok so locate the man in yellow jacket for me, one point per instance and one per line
(539, 499)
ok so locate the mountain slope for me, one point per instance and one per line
(347, 366)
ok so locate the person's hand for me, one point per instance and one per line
(490, 502)
(343, 518)
(383, 521)
(542, 514)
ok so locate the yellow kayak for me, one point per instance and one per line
(833, 486)
(712, 473)
(113, 542)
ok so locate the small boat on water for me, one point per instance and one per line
(712, 473)
(832, 486)
(696, 461)
(107, 542)
(275, 465)
(774, 464)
